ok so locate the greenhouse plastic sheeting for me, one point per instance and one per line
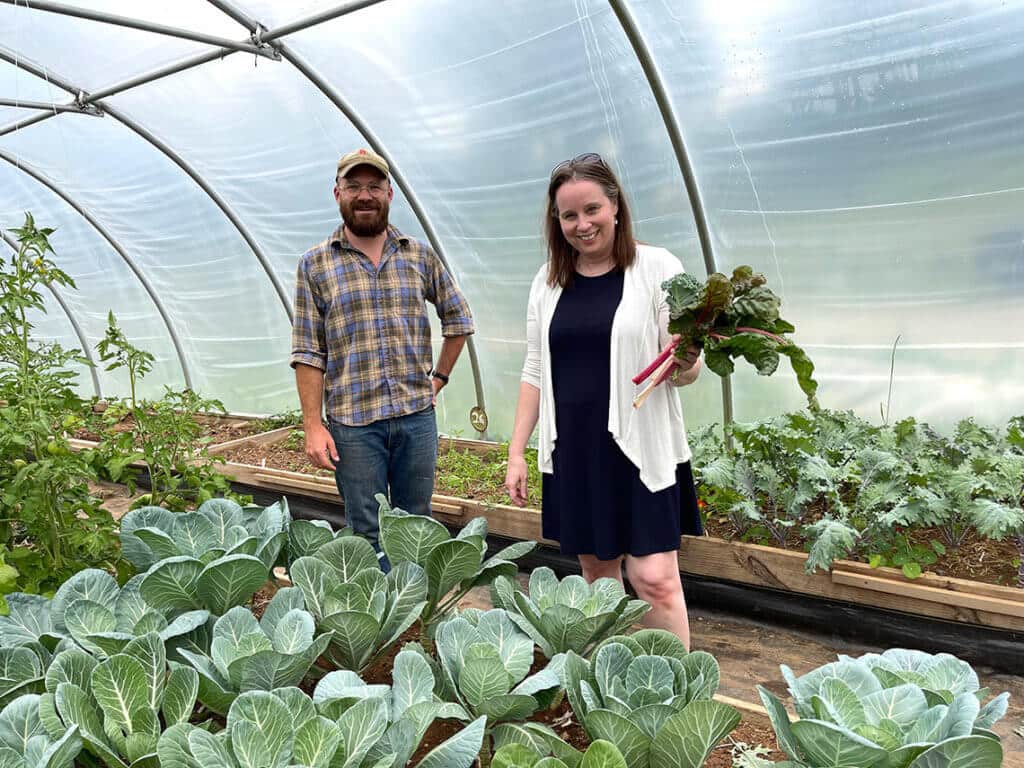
(864, 156)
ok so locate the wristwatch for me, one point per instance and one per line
(438, 375)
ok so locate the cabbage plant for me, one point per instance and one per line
(285, 727)
(349, 596)
(26, 743)
(305, 537)
(247, 654)
(214, 558)
(119, 705)
(650, 698)
(567, 615)
(600, 754)
(485, 659)
(219, 527)
(898, 709)
(409, 703)
(453, 566)
(21, 671)
(89, 610)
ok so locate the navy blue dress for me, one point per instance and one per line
(594, 502)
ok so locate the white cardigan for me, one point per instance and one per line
(653, 436)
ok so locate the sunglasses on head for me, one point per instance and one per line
(586, 157)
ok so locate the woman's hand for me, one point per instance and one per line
(685, 369)
(515, 480)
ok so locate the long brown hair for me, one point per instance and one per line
(562, 256)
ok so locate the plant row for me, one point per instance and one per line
(173, 668)
(897, 495)
(50, 522)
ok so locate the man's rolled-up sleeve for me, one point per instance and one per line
(309, 346)
(452, 307)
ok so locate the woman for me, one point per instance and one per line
(616, 482)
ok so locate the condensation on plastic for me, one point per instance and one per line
(221, 305)
(864, 156)
(102, 282)
(95, 55)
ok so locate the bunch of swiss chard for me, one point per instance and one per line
(731, 317)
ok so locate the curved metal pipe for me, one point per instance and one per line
(675, 134)
(71, 318)
(375, 143)
(154, 297)
(145, 26)
(282, 293)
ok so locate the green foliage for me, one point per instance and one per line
(408, 706)
(453, 566)
(570, 615)
(649, 697)
(898, 708)
(470, 475)
(736, 317)
(50, 525)
(91, 612)
(347, 724)
(485, 662)
(851, 489)
(166, 434)
(247, 655)
(348, 595)
(600, 754)
(121, 704)
(26, 741)
(219, 528)
(277, 421)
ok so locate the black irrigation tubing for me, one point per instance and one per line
(998, 649)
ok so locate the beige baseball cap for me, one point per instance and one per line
(362, 157)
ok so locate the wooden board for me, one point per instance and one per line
(782, 569)
(924, 592)
(260, 438)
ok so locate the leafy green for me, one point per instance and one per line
(732, 318)
(570, 615)
(901, 707)
(166, 434)
(347, 594)
(453, 566)
(245, 654)
(50, 523)
(25, 742)
(649, 697)
(485, 662)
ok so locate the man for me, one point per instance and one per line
(361, 333)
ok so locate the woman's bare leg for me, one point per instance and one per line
(594, 569)
(656, 580)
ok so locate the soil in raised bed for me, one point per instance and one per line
(977, 558)
(460, 472)
(217, 429)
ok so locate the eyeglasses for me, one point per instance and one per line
(586, 157)
(354, 190)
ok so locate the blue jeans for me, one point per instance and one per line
(396, 457)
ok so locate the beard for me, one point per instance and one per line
(365, 226)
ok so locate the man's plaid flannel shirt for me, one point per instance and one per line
(368, 329)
